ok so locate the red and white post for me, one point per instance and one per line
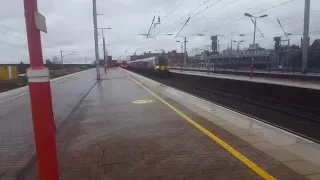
(40, 96)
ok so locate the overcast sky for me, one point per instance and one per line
(70, 26)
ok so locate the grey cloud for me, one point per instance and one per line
(70, 25)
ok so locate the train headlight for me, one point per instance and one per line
(157, 67)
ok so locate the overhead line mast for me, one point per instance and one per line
(183, 26)
(285, 33)
(153, 24)
(188, 14)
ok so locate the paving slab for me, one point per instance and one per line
(121, 131)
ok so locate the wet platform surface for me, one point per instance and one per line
(121, 131)
(16, 131)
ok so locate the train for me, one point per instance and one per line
(157, 64)
(112, 63)
(123, 64)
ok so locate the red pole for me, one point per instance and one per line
(40, 97)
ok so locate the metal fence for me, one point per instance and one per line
(223, 69)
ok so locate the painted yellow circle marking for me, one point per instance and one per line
(142, 101)
(263, 173)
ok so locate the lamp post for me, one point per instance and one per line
(238, 50)
(185, 49)
(104, 44)
(254, 37)
(181, 45)
(255, 25)
(181, 50)
(62, 56)
(287, 35)
(288, 48)
(96, 43)
(238, 46)
(305, 40)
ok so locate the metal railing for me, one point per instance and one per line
(223, 69)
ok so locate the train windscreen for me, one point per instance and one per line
(161, 61)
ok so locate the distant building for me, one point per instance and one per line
(55, 60)
(175, 58)
(48, 61)
(314, 55)
(144, 55)
(102, 60)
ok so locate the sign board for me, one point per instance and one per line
(214, 44)
(40, 22)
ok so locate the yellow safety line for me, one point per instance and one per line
(264, 174)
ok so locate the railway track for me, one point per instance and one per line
(298, 119)
(283, 107)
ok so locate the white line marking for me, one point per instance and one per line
(14, 97)
(53, 81)
(252, 119)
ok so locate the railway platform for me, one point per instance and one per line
(130, 127)
(303, 83)
(17, 150)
